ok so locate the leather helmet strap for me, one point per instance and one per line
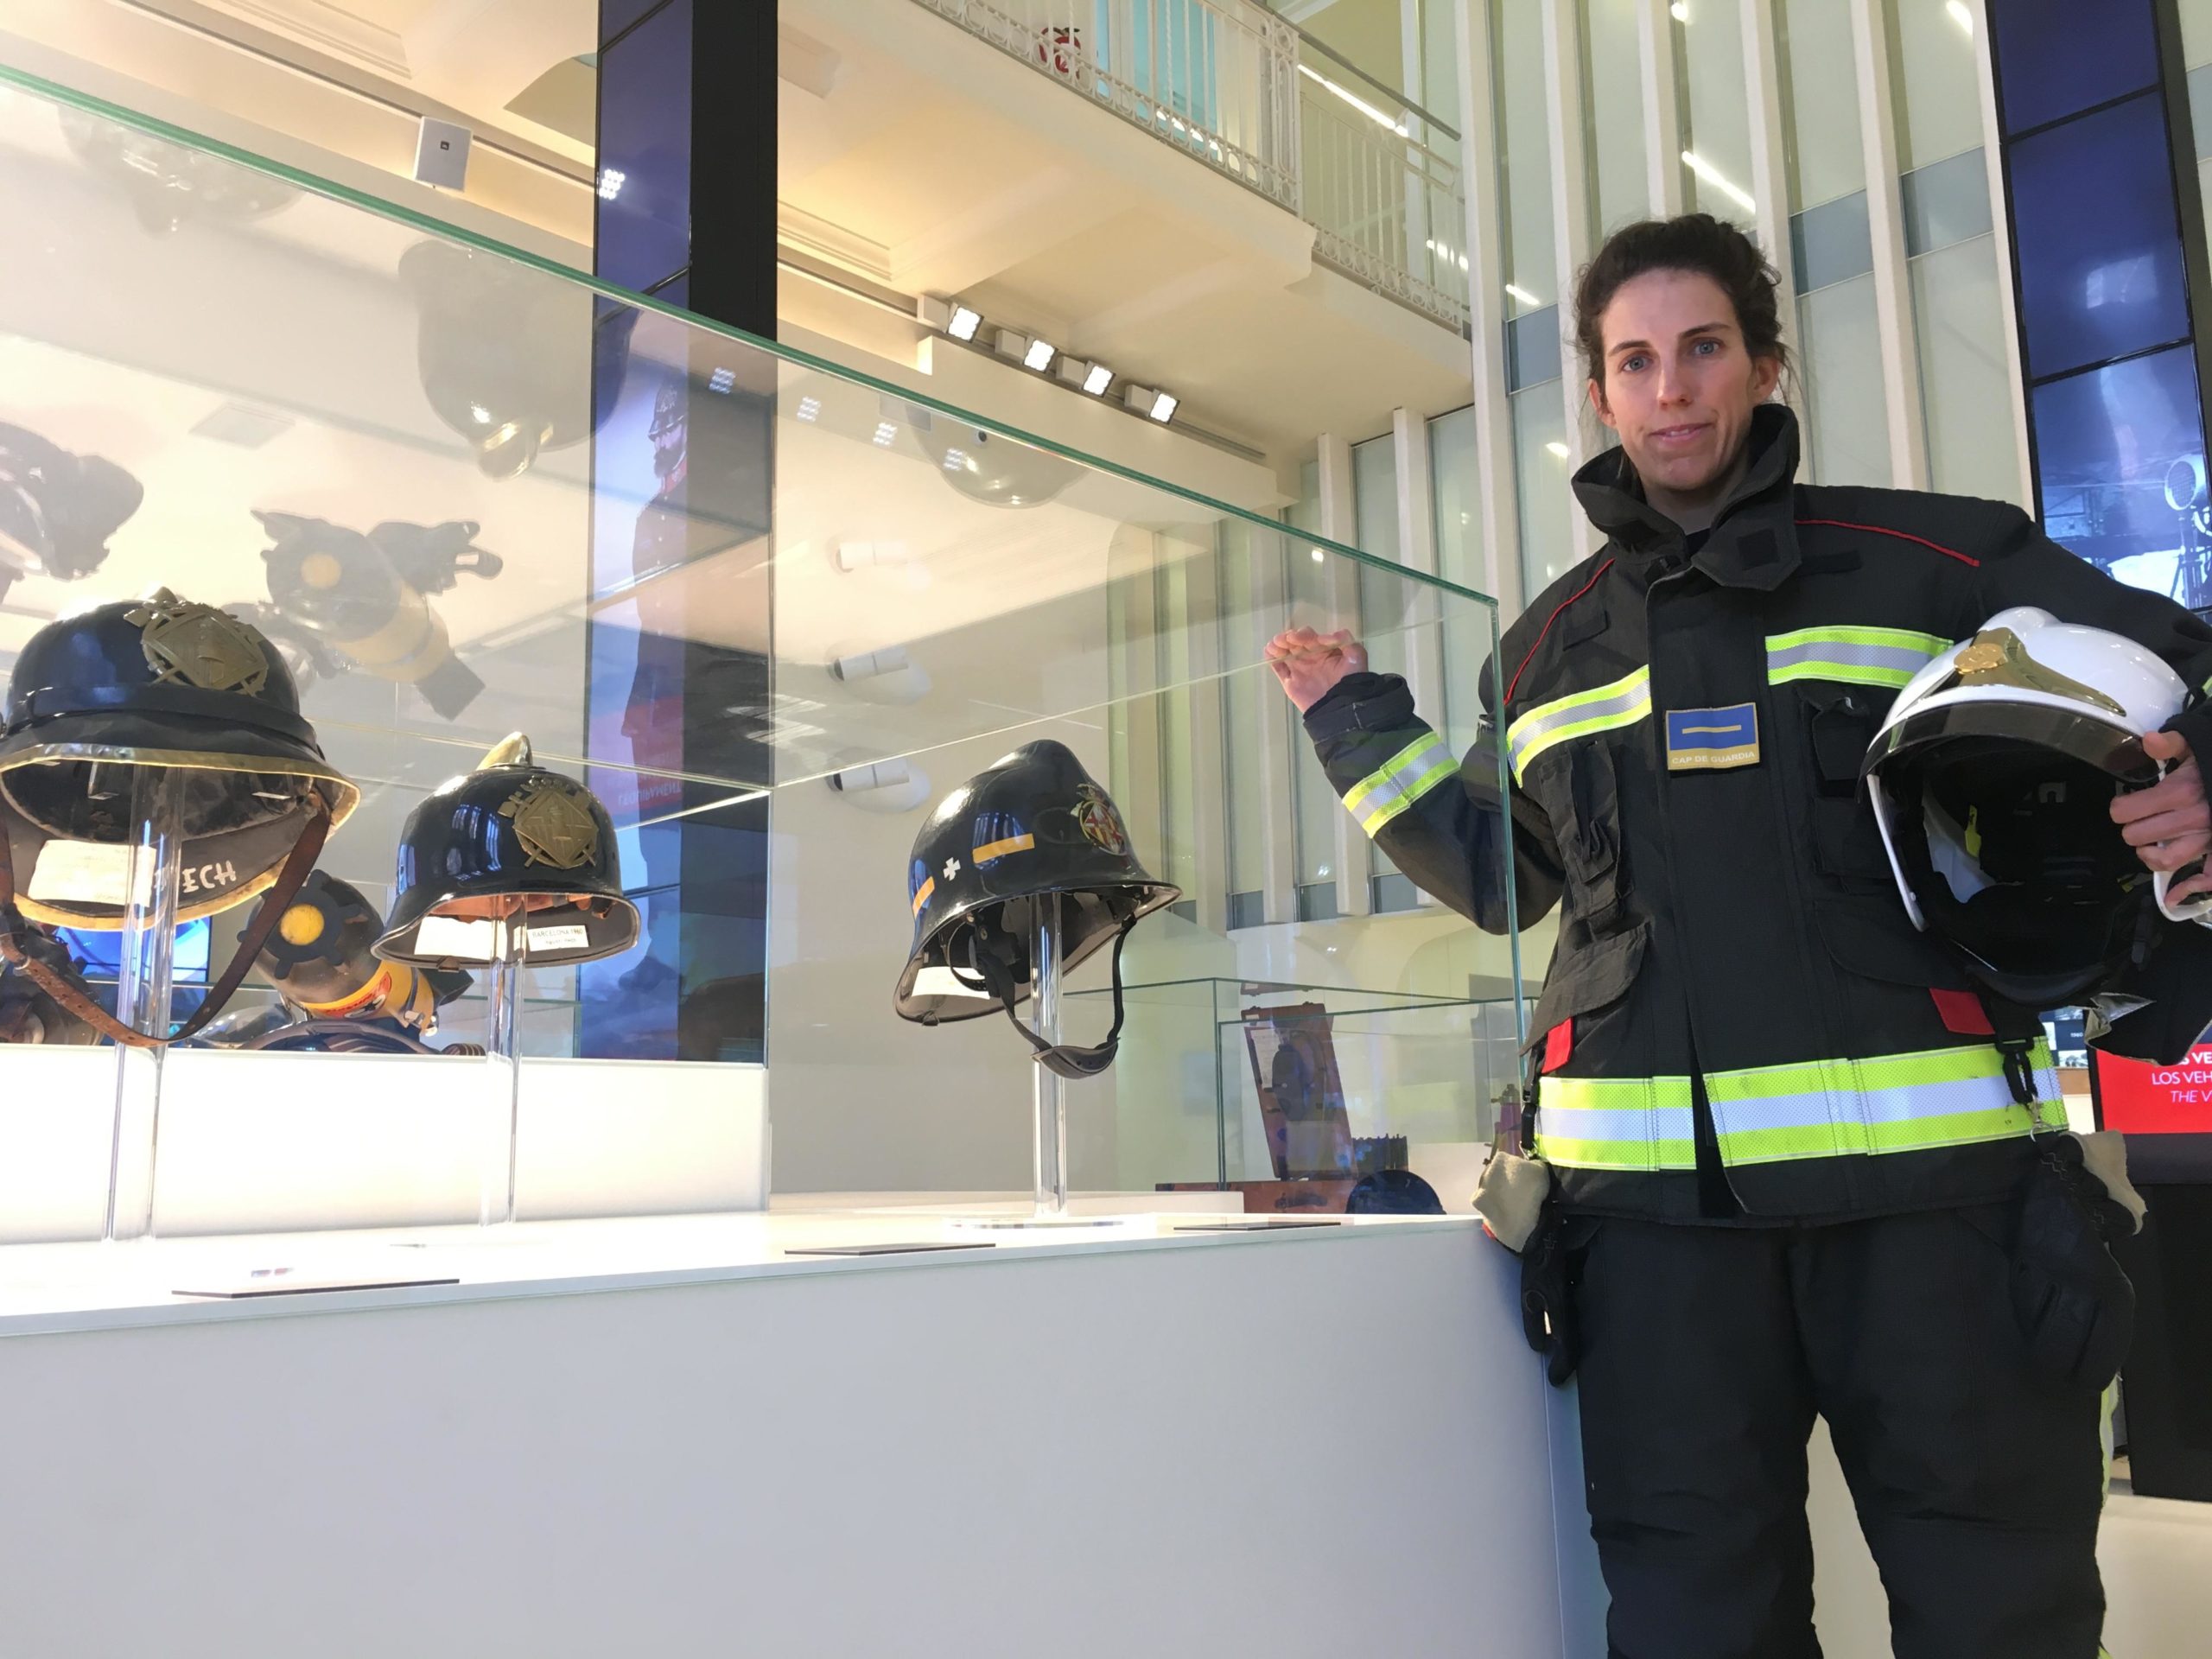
(296, 870)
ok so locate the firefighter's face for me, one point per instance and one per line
(1678, 385)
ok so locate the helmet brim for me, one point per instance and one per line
(126, 737)
(937, 1009)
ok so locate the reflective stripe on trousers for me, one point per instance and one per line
(1823, 1108)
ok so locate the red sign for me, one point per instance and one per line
(2141, 1099)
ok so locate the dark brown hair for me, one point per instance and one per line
(1693, 242)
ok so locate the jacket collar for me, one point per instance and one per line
(1754, 539)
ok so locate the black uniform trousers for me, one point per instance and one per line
(1706, 1353)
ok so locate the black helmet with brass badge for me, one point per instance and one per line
(164, 689)
(509, 832)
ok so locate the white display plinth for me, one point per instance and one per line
(260, 1142)
(1302, 1444)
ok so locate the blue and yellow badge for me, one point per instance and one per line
(1712, 740)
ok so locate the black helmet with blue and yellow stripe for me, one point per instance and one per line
(1032, 827)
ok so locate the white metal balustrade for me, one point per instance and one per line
(1226, 82)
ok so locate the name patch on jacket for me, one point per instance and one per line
(1712, 740)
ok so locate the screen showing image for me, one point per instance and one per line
(102, 953)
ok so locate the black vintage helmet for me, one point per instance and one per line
(1030, 827)
(98, 699)
(57, 510)
(509, 830)
(500, 352)
(321, 957)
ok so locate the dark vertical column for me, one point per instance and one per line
(2115, 298)
(680, 688)
(2115, 306)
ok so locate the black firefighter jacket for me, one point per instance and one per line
(1739, 1020)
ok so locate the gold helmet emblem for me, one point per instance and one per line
(204, 647)
(553, 823)
(1998, 656)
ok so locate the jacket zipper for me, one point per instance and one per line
(1704, 1133)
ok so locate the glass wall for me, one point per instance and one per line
(1839, 355)
(1612, 115)
(1716, 115)
(1530, 258)
(1383, 616)
(1547, 545)
(1249, 703)
(1312, 604)
(1455, 513)
(1958, 311)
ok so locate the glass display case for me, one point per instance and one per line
(1286, 1096)
(767, 610)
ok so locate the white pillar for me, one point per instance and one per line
(1870, 34)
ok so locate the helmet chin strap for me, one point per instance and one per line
(282, 892)
(989, 971)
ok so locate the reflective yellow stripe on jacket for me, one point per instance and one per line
(1400, 781)
(1601, 708)
(1824, 1108)
(1857, 656)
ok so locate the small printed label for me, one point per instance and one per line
(1713, 740)
(447, 936)
(571, 938)
(85, 873)
(941, 982)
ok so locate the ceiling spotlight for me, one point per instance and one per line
(1013, 343)
(960, 321)
(1093, 378)
(1039, 355)
(810, 409)
(885, 432)
(1158, 405)
(722, 379)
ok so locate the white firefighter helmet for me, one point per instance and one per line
(1992, 780)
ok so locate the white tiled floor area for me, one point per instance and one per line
(2156, 1554)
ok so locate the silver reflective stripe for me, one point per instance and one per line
(1796, 662)
(1901, 1104)
(1632, 1123)
(1400, 781)
(1602, 708)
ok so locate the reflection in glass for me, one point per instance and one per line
(2099, 284)
(1524, 187)
(1936, 80)
(1965, 383)
(1612, 115)
(1839, 341)
(1385, 602)
(2122, 452)
(1311, 582)
(2060, 60)
(1457, 518)
(1548, 546)
(1716, 119)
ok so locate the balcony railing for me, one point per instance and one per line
(1240, 90)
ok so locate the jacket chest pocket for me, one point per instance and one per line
(1578, 793)
(1838, 724)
